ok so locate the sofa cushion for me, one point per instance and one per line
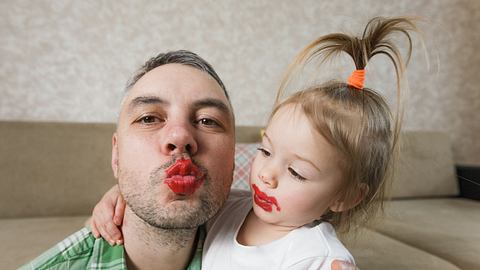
(371, 250)
(26, 238)
(425, 167)
(374, 251)
(447, 228)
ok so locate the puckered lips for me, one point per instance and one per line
(263, 200)
(184, 177)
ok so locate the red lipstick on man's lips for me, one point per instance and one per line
(263, 200)
(184, 177)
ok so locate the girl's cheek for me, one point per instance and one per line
(254, 169)
(298, 201)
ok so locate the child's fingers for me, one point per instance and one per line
(342, 265)
(119, 211)
(94, 229)
(104, 233)
(102, 215)
(113, 231)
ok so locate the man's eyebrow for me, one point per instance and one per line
(211, 102)
(145, 100)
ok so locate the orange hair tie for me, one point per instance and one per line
(357, 79)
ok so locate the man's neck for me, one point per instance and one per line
(148, 247)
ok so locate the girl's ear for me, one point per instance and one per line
(340, 206)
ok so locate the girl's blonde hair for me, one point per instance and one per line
(358, 122)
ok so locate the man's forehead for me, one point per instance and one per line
(176, 85)
(177, 79)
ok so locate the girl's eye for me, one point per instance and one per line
(264, 151)
(207, 122)
(296, 175)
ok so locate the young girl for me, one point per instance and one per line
(322, 164)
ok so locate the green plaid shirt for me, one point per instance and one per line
(82, 250)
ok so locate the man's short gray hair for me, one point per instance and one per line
(177, 57)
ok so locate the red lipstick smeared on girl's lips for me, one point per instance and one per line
(263, 200)
(184, 177)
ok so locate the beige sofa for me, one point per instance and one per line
(51, 175)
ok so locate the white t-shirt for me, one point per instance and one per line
(307, 247)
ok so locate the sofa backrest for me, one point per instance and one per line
(425, 167)
(51, 169)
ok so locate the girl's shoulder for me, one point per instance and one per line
(238, 205)
(238, 195)
(237, 200)
(318, 243)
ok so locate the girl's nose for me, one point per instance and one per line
(268, 180)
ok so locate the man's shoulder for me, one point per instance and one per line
(80, 251)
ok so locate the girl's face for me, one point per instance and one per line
(296, 175)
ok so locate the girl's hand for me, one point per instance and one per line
(108, 215)
(342, 265)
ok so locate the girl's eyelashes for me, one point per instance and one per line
(264, 151)
(295, 174)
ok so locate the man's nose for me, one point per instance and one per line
(179, 140)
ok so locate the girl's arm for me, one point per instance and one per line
(343, 265)
(108, 215)
(322, 263)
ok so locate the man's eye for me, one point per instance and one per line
(264, 151)
(296, 175)
(148, 119)
(207, 122)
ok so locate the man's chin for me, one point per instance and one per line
(181, 213)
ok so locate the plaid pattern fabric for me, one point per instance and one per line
(196, 262)
(244, 154)
(82, 250)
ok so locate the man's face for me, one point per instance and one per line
(174, 112)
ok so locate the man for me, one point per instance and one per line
(175, 110)
(173, 156)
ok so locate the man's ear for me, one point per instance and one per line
(340, 206)
(115, 155)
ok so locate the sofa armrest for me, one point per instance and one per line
(469, 181)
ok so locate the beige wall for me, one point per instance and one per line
(69, 60)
